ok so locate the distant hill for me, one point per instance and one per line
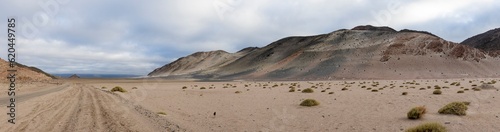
(24, 73)
(98, 75)
(74, 76)
(363, 52)
(488, 41)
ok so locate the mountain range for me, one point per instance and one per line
(363, 52)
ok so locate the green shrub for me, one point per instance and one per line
(309, 102)
(427, 127)
(119, 89)
(308, 90)
(455, 108)
(416, 113)
(437, 91)
(161, 113)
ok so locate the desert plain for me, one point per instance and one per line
(155, 104)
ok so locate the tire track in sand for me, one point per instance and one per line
(83, 108)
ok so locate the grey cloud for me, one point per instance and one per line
(117, 36)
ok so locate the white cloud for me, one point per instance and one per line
(114, 36)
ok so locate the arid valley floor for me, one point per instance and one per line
(161, 105)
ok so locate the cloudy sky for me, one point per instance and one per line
(135, 37)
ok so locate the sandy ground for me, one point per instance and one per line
(83, 105)
(73, 106)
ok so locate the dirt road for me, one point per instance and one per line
(79, 107)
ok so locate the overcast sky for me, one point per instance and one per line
(135, 37)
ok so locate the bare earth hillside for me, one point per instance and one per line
(364, 52)
(488, 41)
(24, 73)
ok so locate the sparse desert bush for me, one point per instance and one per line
(343, 89)
(203, 88)
(466, 89)
(308, 90)
(161, 113)
(134, 87)
(466, 103)
(437, 91)
(455, 108)
(427, 127)
(237, 92)
(416, 113)
(460, 91)
(323, 90)
(309, 102)
(119, 89)
(476, 89)
(487, 86)
(422, 89)
(404, 93)
(374, 90)
(330, 93)
(184, 87)
(291, 90)
(103, 87)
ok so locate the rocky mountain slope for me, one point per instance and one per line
(488, 41)
(24, 73)
(364, 52)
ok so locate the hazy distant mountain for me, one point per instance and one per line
(74, 76)
(364, 52)
(24, 73)
(488, 41)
